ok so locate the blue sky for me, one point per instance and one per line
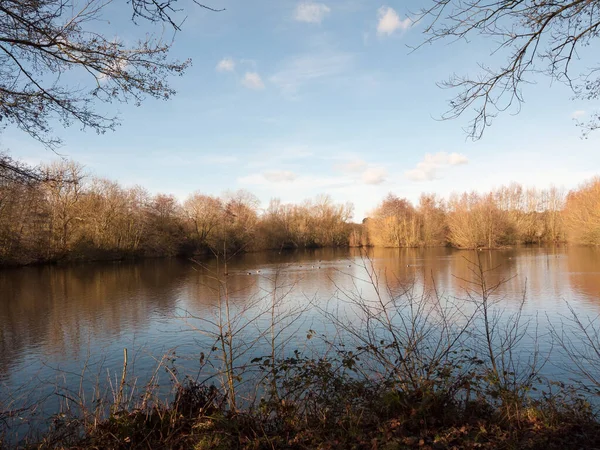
(293, 99)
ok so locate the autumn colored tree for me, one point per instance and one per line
(582, 213)
(204, 214)
(475, 221)
(67, 215)
(114, 217)
(432, 213)
(63, 192)
(165, 231)
(239, 221)
(24, 234)
(394, 223)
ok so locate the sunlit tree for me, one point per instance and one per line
(582, 213)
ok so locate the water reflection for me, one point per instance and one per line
(583, 264)
(56, 310)
(57, 314)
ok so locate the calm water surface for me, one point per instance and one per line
(56, 319)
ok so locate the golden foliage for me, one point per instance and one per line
(582, 213)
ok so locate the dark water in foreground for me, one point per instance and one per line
(55, 320)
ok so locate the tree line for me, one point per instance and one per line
(66, 214)
(508, 215)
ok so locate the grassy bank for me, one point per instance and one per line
(319, 405)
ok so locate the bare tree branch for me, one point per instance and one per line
(540, 36)
(42, 41)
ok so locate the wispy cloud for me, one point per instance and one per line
(279, 176)
(300, 183)
(363, 171)
(431, 164)
(166, 158)
(252, 80)
(311, 12)
(356, 165)
(278, 154)
(389, 21)
(374, 175)
(302, 69)
(225, 65)
(578, 114)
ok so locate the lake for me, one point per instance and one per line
(56, 321)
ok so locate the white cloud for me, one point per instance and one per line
(311, 12)
(374, 175)
(300, 184)
(117, 68)
(252, 80)
(364, 172)
(302, 69)
(357, 165)
(389, 21)
(428, 168)
(225, 65)
(280, 176)
(578, 114)
(454, 159)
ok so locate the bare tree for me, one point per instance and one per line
(205, 213)
(582, 213)
(15, 171)
(537, 37)
(394, 223)
(43, 40)
(63, 193)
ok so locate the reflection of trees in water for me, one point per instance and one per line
(583, 264)
(538, 272)
(204, 285)
(448, 271)
(544, 269)
(62, 309)
(500, 266)
(549, 274)
(57, 310)
(428, 268)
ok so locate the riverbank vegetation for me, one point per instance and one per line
(399, 366)
(64, 214)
